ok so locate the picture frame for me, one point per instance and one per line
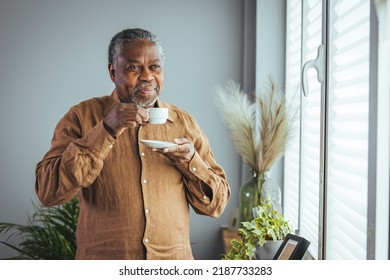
(293, 247)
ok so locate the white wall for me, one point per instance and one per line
(53, 55)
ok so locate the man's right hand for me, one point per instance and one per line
(123, 116)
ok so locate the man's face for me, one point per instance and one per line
(137, 73)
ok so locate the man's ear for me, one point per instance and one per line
(111, 70)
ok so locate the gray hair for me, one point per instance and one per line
(130, 35)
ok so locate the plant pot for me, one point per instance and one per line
(268, 250)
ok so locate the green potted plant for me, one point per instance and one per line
(48, 235)
(268, 225)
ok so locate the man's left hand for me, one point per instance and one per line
(181, 153)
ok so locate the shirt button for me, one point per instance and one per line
(145, 181)
(194, 169)
(143, 154)
(146, 240)
(205, 197)
(111, 146)
(147, 211)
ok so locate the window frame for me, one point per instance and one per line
(372, 142)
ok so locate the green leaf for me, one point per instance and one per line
(268, 225)
(49, 233)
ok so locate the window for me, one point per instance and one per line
(347, 153)
(326, 184)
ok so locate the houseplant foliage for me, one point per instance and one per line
(48, 235)
(259, 126)
(267, 225)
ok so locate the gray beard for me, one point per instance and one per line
(144, 103)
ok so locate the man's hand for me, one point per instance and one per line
(181, 153)
(123, 116)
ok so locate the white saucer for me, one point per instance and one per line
(158, 144)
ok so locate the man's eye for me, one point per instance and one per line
(155, 67)
(133, 68)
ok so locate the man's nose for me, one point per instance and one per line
(146, 75)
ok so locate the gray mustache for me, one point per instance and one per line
(146, 85)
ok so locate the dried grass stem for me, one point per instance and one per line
(259, 129)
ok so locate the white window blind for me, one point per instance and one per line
(310, 128)
(302, 157)
(348, 130)
(293, 77)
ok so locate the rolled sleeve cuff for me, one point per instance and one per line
(196, 169)
(198, 172)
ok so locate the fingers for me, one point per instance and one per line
(131, 115)
(181, 140)
(177, 150)
(133, 119)
(143, 114)
(181, 153)
(183, 146)
(134, 113)
(125, 115)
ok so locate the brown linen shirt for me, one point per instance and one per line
(134, 203)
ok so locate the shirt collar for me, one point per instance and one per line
(162, 104)
(114, 99)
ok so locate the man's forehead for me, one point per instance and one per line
(137, 49)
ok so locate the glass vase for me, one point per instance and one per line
(270, 191)
(250, 197)
(254, 192)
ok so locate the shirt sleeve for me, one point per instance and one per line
(73, 161)
(207, 188)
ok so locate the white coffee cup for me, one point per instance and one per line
(158, 115)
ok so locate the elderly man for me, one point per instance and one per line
(134, 200)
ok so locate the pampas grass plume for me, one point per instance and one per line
(238, 114)
(259, 129)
